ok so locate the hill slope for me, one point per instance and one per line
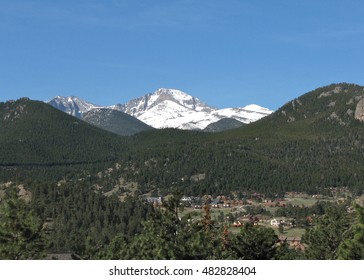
(335, 104)
(115, 121)
(33, 132)
(223, 124)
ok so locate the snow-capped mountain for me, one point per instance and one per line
(161, 97)
(173, 108)
(72, 105)
(168, 108)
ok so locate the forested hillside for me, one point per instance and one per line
(34, 133)
(310, 144)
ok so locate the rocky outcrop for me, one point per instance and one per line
(359, 111)
(335, 117)
(336, 90)
(198, 177)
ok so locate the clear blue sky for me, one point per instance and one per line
(227, 53)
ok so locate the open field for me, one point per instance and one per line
(293, 232)
(308, 202)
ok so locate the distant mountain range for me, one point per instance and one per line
(165, 108)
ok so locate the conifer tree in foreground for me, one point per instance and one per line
(21, 232)
(330, 230)
(352, 248)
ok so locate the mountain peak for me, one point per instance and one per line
(169, 91)
(72, 105)
(173, 92)
(177, 96)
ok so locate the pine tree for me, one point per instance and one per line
(324, 239)
(352, 248)
(22, 234)
(255, 243)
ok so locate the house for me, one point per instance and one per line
(237, 224)
(277, 222)
(274, 223)
(192, 201)
(187, 199)
(154, 200)
(216, 203)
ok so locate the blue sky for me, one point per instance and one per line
(227, 53)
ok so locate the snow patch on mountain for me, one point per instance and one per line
(173, 108)
(72, 105)
(168, 108)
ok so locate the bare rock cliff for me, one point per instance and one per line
(359, 111)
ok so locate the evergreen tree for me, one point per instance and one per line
(22, 234)
(352, 248)
(324, 239)
(255, 243)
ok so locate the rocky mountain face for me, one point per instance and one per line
(167, 108)
(173, 108)
(359, 110)
(72, 105)
(163, 96)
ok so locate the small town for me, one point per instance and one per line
(271, 213)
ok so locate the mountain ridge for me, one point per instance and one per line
(167, 108)
(72, 105)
